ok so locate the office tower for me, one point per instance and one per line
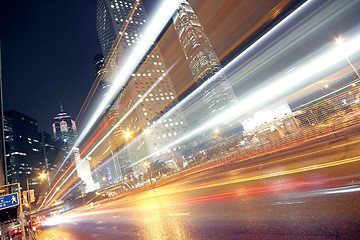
(64, 128)
(202, 59)
(22, 150)
(120, 27)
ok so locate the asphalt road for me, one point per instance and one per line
(308, 193)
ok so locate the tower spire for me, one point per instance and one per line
(61, 107)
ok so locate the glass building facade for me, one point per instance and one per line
(203, 61)
(22, 150)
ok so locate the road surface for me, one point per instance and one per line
(308, 193)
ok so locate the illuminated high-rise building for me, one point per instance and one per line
(64, 128)
(202, 59)
(148, 93)
(65, 133)
(22, 150)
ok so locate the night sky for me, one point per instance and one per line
(47, 56)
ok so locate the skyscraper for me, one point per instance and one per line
(64, 128)
(22, 148)
(65, 136)
(148, 94)
(202, 59)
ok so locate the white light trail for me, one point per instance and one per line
(276, 88)
(154, 28)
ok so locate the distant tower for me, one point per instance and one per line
(64, 128)
(202, 59)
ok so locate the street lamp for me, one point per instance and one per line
(339, 41)
(42, 175)
(127, 134)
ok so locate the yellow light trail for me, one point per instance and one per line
(284, 173)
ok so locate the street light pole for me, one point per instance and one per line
(29, 202)
(21, 214)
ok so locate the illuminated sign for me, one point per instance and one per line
(10, 200)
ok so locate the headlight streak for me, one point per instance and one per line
(156, 25)
(259, 190)
(286, 172)
(253, 191)
(283, 42)
(46, 197)
(329, 94)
